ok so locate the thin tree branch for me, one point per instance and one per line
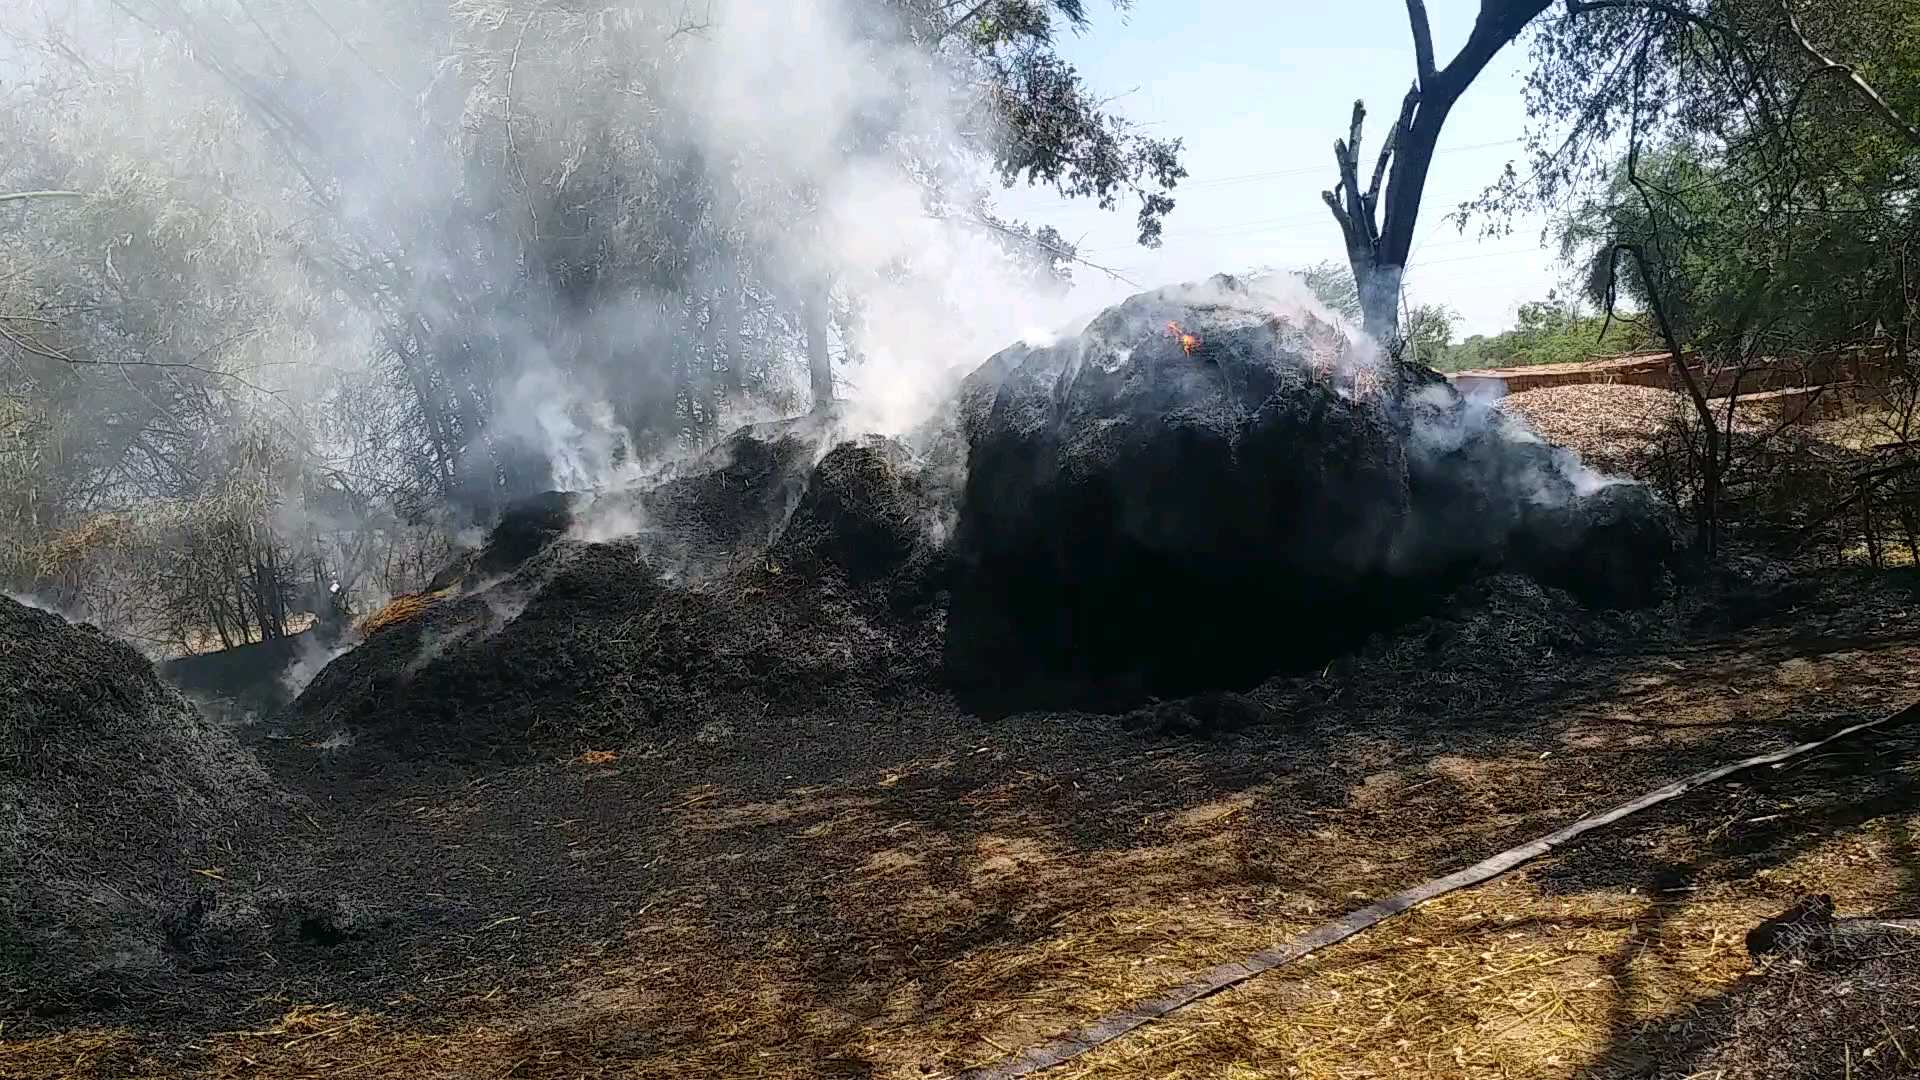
(1725, 32)
(21, 196)
(972, 14)
(1860, 85)
(348, 45)
(1582, 7)
(513, 151)
(1050, 249)
(34, 348)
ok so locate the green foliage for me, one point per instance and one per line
(1548, 332)
(1428, 333)
(1052, 129)
(1774, 199)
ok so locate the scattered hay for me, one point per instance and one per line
(868, 898)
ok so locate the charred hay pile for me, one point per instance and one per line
(583, 644)
(1493, 639)
(129, 821)
(1199, 491)
(1204, 488)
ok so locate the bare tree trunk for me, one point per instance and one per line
(1380, 240)
(1866, 524)
(726, 312)
(819, 366)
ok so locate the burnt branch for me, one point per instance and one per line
(1347, 154)
(1401, 128)
(1422, 39)
(1380, 238)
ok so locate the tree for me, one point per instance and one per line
(1378, 224)
(1429, 333)
(1761, 211)
(1333, 285)
(1549, 331)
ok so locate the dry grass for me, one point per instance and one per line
(1515, 979)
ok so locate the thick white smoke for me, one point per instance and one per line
(845, 155)
(797, 83)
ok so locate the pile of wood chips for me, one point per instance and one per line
(1614, 427)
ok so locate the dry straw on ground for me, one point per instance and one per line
(403, 608)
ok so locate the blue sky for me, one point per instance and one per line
(1259, 91)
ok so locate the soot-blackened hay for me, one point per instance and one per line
(591, 644)
(733, 498)
(522, 532)
(872, 515)
(1835, 1004)
(1207, 485)
(1504, 633)
(128, 816)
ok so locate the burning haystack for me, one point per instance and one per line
(129, 820)
(1207, 486)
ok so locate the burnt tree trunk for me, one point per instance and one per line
(1380, 239)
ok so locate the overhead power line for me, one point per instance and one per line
(1468, 258)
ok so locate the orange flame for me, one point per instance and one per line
(1188, 342)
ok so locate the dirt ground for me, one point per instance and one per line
(913, 894)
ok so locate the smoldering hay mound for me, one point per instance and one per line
(134, 829)
(755, 582)
(1204, 487)
(1199, 490)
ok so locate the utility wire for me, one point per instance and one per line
(1248, 178)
